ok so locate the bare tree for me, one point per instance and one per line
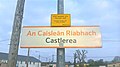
(81, 55)
(75, 59)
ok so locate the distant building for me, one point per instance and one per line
(53, 64)
(32, 62)
(21, 61)
(114, 64)
(102, 66)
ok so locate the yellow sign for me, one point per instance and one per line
(60, 20)
(61, 37)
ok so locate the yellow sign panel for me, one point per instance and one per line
(60, 20)
(61, 37)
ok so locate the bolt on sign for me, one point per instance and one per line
(57, 37)
(60, 20)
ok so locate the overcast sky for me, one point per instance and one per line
(105, 13)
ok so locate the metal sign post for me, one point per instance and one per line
(60, 51)
(28, 57)
(61, 57)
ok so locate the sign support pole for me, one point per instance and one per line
(14, 43)
(60, 51)
(28, 57)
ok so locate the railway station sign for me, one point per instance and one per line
(60, 37)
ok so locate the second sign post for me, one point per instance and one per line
(60, 51)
